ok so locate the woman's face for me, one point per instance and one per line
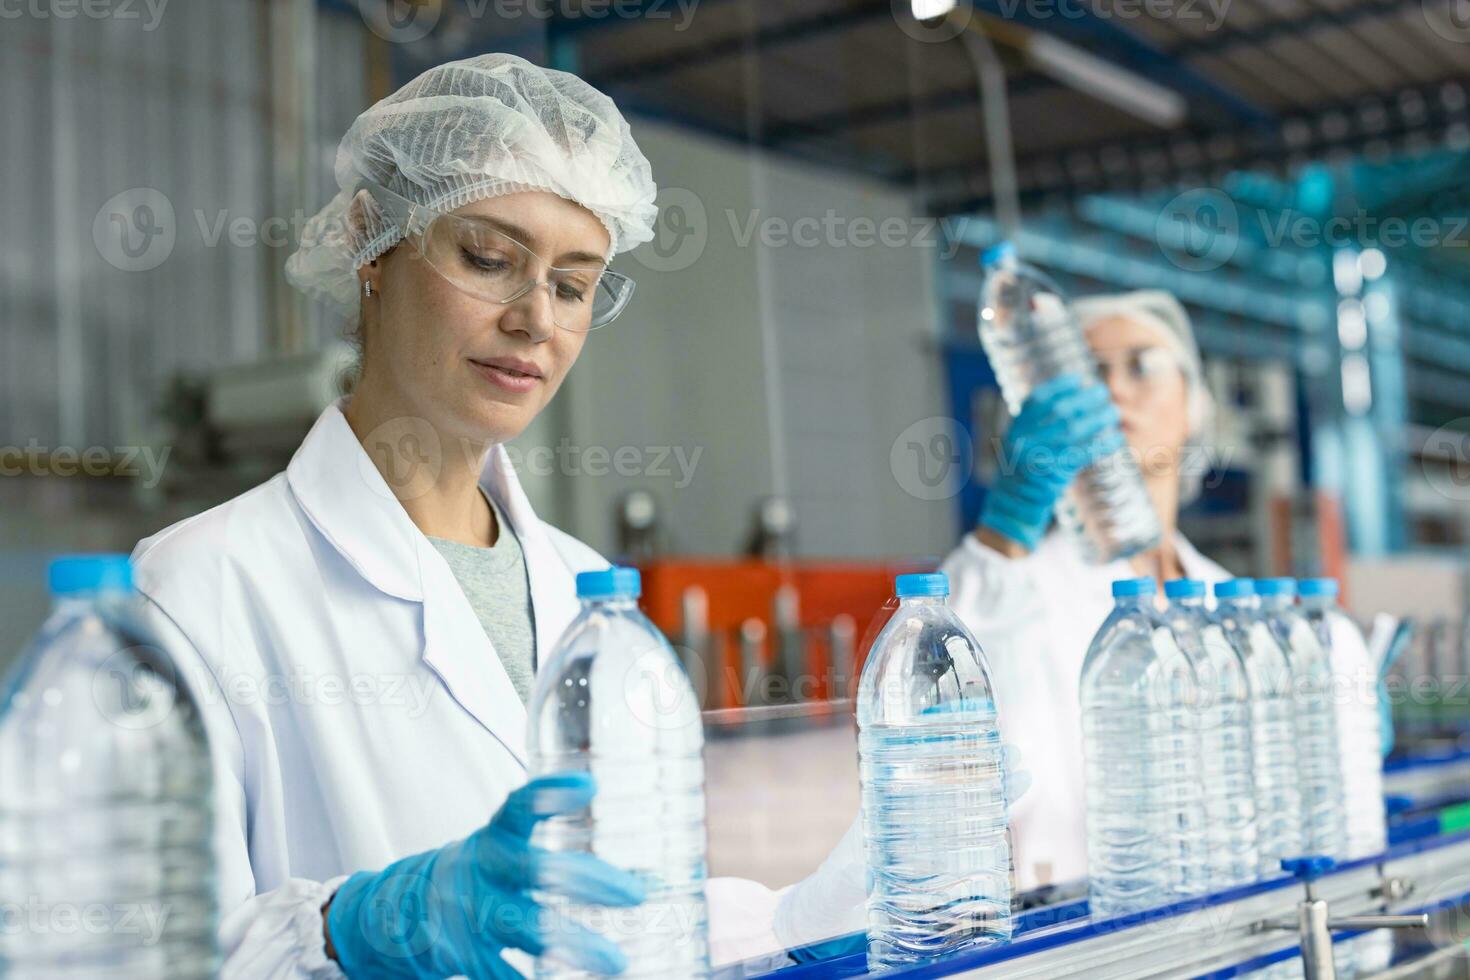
(1149, 388)
(444, 356)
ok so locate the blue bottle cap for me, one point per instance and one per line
(1317, 586)
(617, 581)
(1184, 588)
(1235, 588)
(995, 253)
(80, 574)
(1133, 587)
(921, 584)
(1308, 867)
(1275, 586)
(1395, 805)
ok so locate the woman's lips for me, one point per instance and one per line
(505, 378)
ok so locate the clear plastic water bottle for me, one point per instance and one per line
(1356, 700)
(1146, 843)
(1030, 336)
(1224, 717)
(933, 793)
(612, 700)
(1319, 766)
(106, 817)
(1273, 732)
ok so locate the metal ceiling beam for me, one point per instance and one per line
(1127, 48)
(896, 110)
(1104, 38)
(765, 39)
(1269, 31)
(1412, 118)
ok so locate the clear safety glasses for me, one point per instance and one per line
(478, 259)
(1138, 365)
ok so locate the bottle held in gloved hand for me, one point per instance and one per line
(1146, 836)
(106, 793)
(1030, 336)
(933, 791)
(614, 701)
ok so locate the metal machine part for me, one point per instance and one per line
(694, 642)
(638, 525)
(790, 652)
(752, 688)
(1314, 923)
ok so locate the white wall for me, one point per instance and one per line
(787, 366)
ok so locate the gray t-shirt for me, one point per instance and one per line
(495, 582)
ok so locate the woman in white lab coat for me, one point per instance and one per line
(1029, 595)
(359, 711)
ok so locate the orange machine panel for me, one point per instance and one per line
(739, 591)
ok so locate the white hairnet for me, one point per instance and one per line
(1166, 316)
(467, 130)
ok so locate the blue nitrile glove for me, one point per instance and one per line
(450, 912)
(1064, 426)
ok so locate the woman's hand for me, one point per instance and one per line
(1064, 426)
(450, 912)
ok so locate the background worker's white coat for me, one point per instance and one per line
(1035, 617)
(356, 709)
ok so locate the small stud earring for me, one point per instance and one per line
(367, 287)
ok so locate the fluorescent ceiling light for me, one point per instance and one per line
(929, 9)
(1104, 80)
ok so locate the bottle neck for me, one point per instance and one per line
(1275, 603)
(1318, 603)
(1239, 604)
(1193, 603)
(71, 602)
(921, 600)
(1133, 602)
(611, 603)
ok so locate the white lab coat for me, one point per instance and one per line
(357, 711)
(1035, 616)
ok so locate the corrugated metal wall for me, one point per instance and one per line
(136, 191)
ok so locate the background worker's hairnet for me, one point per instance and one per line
(1165, 316)
(467, 130)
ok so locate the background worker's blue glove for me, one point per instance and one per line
(450, 912)
(1064, 426)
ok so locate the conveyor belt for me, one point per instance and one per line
(1221, 936)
